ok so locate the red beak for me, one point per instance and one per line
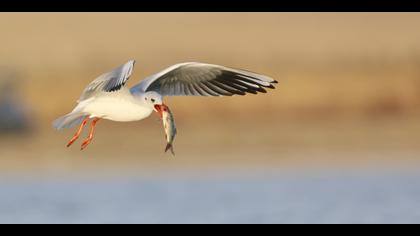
(158, 109)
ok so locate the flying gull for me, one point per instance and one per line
(108, 97)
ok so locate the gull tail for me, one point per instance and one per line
(69, 120)
(169, 146)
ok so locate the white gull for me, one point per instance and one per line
(107, 97)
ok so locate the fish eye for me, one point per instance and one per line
(153, 100)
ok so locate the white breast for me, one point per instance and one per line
(117, 107)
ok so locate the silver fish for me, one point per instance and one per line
(168, 125)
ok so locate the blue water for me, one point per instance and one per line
(301, 198)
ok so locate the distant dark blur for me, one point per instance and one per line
(13, 114)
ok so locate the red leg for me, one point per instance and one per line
(90, 137)
(77, 134)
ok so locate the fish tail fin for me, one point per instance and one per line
(171, 147)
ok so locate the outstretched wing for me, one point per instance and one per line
(200, 79)
(110, 81)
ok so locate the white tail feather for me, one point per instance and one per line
(68, 120)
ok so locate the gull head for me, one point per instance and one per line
(153, 100)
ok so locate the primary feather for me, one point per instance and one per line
(201, 79)
(109, 82)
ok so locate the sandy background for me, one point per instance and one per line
(348, 92)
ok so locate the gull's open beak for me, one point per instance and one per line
(158, 109)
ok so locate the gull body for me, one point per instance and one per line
(107, 97)
(121, 107)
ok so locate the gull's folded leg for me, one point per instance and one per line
(77, 134)
(90, 137)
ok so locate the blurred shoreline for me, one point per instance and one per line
(224, 146)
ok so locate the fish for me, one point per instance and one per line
(168, 125)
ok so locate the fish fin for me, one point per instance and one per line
(169, 146)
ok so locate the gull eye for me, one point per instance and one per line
(145, 99)
(153, 100)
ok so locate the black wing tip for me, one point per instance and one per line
(271, 86)
(240, 94)
(115, 88)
